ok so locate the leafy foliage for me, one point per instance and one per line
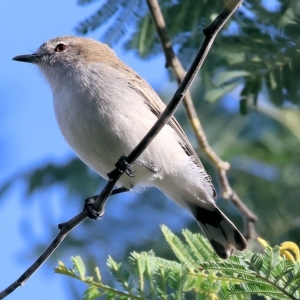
(52, 174)
(259, 48)
(199, 273)
(124, 13)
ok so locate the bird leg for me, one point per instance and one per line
(88, 205)
(123, 166)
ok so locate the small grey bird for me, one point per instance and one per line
(104, 108)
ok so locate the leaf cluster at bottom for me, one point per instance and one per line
(198, 274)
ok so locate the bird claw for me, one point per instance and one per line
(123, 166)
(90, 211)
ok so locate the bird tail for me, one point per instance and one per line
(220, 231)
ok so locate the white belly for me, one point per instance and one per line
(100, 139)
(101, 123)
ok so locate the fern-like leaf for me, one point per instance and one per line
(183, 252)
(91, 293)
(198, 244)
(198, 273)
(120, 274)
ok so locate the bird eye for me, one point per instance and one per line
(60, 47)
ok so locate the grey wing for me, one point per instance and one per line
(157, 107)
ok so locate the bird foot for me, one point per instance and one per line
(123, 166)
(90, 211)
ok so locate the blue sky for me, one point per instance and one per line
(29, 135)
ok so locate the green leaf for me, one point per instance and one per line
(243, 107)
(78, 265)
(216, 93)
(198, 245)
(184, 254)
(226, 76)
(273, 83)
(120, 274)
(91, 293)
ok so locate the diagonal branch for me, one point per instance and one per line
(95, 205)
(221, 166)
(64, 230)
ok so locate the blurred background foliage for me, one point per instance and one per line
(247, 97)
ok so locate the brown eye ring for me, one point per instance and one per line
(60, 47)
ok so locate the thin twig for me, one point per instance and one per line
(64, 230)
(98, 205)
(221, 166)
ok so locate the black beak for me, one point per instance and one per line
(29, 58)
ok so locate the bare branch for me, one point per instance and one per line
(221, 166)
(64, 230)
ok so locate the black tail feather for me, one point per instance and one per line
(220, 231)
